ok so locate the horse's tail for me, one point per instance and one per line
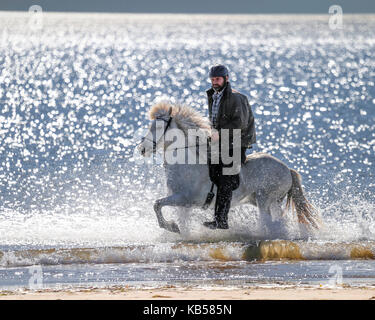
(296, 199)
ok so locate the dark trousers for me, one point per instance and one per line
(225, 186)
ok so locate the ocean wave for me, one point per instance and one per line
(171, 252)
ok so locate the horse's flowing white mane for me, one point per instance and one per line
(184, 116)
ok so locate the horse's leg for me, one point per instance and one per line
(184, 215)
(277, 212)
(175, 200)
(270, 216)
(264, 210)
(279, 220)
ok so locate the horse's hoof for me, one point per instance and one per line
(173, 227)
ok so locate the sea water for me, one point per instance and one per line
(77, 202)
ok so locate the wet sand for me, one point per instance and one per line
(195, 294)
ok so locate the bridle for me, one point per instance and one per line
(155, 143)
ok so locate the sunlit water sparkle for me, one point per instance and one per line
(74, 94)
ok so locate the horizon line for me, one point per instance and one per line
(195, 13)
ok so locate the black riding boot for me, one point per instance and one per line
(222, 206)
(225, 186)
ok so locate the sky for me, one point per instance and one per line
(193, 6)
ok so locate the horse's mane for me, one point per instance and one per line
(185, 116)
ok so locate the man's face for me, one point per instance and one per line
(218, 82)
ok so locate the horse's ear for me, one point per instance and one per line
(170, 111)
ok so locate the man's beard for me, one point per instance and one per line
(219, 88)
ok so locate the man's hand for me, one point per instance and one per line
(215, 136)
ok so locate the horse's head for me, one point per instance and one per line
(153, 139)
(163, 117)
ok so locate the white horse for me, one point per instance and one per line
(264, 180)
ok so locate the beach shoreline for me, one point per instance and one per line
(171, 293)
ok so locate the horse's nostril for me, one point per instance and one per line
(143, 150)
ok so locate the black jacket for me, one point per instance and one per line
(234, 113)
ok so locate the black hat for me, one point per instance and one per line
(218, 71)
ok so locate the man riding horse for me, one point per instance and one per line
(264, 181)
(228, 109)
